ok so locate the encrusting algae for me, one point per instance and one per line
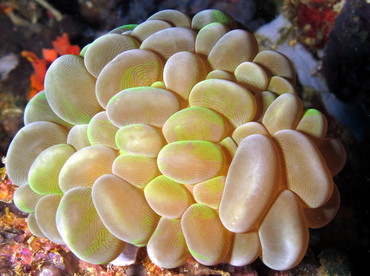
(179, 135)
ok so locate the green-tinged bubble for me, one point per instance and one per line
(43, 176)
(210, 125)
(190, 162)
(45, 216)
(70, 90)
(167, 197)
(123, 209)
(313, 123)
(139, 139)
(26, 199)
(136, 169)
(207, 239)
(38, 109)
(82, 230)
(143, 105)
(91, 162)
(167, 246)
(227, 98)
(101, 131)
(27, 144)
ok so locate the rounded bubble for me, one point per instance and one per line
(179, 135)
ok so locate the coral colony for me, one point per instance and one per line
(179, 135)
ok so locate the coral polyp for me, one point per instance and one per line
(179, 135)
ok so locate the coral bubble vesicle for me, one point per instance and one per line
(81, 229)
(170, 41)
(207, 239)
(232, 49)
(252, 182)
(45, 213)
(178, 135)
(231, 100)
(123, 209)
(38, 109)
(191, 161)
(27, 144)
(176, 201)
(140, 139)
(208, 36)
(167, 246)
(85, 166)
(110, 45)
(148, 28)
(173, 17)
(182, 79)
(43, 176)
(146, 105)
(26, 199)
(210, 125)
(132, 68)
(284, 233)
(70, 90)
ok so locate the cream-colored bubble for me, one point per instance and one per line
(210, 191)
(149, 27)
(279, 86)
(45, 216)
(25, 199)
(77, 137)
(170, 41)
(251, 184)
(182, 71)
(27, 144)
(106, 48)
(314, 124)
(167, 247)
(143, 105)
(167, 197)
(210, 125)
(70, 90)
(79, 224)
(132, 68)
(284, 233)
(252, 76)
(140, 139)
(38, 109)
(33, 226)
(174, 17)
(277, 64)
(136, 169)
(311, 180)
(209, 16)
(43, 176)
(208, 36)
(245, 249)
(100, 131)
(283, 113)
(238, 109)
(232, 49)
(321, 216)
(190, 162)
(207, 239)
(123, 209)
(91, 162)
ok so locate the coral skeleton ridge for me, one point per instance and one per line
(179, 135)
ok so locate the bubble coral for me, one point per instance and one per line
(179, 135)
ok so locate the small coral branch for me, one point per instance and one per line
(50, 8)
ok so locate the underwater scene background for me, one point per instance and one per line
(327, 41)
